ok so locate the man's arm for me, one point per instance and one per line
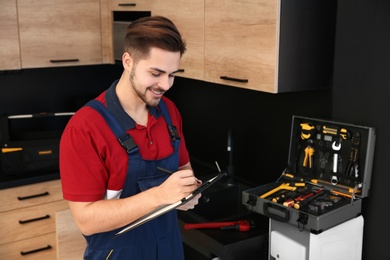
(106, 215)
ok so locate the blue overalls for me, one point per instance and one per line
(159, 238)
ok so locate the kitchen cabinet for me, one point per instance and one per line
(59, 33)
(106, 28)
(270, 46)
(188, 15)
(9, 36)
(241, 43)
(128, 5)
(130, 10)
(27, 220)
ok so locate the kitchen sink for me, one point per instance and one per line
(221, 202)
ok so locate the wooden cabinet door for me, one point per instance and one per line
(188, 15)
(241, 43)
(30, 195)
(30, 222)
(59, 33)
(129, 5)
(9, 36)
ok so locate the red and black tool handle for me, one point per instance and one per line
(242, 225)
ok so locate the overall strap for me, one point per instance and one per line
(124, 138)
(171, 128)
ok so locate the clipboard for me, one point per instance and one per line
(165, 208)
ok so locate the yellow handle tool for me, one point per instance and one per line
(292, 177)
(333, 131)
(349, 189)
(307, 129)
(10, 150)
(283, 186)
(309, 151)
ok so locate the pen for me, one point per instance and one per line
(164, 170)
(169, 172)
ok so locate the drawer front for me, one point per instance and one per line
(130, 5)
(37, 248)
(29, 222)
(30, 195)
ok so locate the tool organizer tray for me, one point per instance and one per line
(327, 176)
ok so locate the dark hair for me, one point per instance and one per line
(153, 31)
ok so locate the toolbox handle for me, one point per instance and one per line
(277, 217)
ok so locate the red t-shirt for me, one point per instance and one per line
(93, 165)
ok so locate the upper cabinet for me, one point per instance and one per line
(116, 16)
(188, 15)
(271, 46)
(241, 43)
(59, 33)
(9, 36)
(128, 5)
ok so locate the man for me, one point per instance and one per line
(109, 160)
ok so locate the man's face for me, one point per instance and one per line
(151, 77)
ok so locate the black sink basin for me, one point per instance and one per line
(221, 202)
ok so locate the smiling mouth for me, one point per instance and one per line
(157, 92)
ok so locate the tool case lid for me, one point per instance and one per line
(332, 154)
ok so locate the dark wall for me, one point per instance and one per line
(53, 89)
(361, 93)
(260, 123)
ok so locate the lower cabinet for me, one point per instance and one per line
(41, 247)
(28, 220)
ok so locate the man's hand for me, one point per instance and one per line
(179, 185)
(190, 204)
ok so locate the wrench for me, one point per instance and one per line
(336, 146)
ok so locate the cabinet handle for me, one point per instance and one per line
(34, 196)
(33, 219)
(127, 4)
(35, 250)
(234, 79)
(66, 60)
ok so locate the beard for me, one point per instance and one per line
(152, 101)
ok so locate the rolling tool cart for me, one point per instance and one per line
(315, 206)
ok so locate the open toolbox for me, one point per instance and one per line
(327, 175)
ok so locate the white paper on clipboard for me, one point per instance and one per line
(165, 208)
